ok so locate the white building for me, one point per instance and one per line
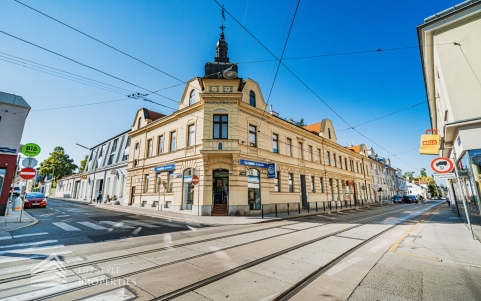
(401, 183)
(415, 189)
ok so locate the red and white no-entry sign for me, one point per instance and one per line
(195, 180)
(27, 173)
(442, 165)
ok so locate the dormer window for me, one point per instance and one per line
(252, 98)
(192, 98)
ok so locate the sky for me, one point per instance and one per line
(178, 37)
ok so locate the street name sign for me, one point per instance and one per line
(27, 173)
(450, 175)
(442, 165)
(29, 162)
(31, 149)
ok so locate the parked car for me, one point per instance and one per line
(35, 199)
(397, 199)
(412, 199)
(406, 199)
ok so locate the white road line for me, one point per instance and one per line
(343, 266)
(33, 256)
(167, 224)
(117, 225)
(73, 259)
(5, 237)
(42, 292)
(31, 249)
(65, 226)
(140, 224)
(31, 234)
(198, 229)
(92, 225)
(62, 215)
(121, 294)
(378, 247)
(30, 244)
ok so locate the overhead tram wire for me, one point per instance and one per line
(280, 61)
(309, 88)
(158, 68)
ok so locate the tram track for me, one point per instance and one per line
(232, 271)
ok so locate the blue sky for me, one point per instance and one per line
(179, 37)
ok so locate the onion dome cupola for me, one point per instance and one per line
(221, 67)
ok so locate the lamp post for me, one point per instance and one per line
(95, 169)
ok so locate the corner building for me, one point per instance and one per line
(223, 134)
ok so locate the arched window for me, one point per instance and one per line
(252, 98)
(329, 133)
(187, 190)
(139, 123)
(219, 146)
(192, 98)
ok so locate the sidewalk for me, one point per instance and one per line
(12, 222)
(215, 220)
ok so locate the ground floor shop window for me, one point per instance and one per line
(291, 184)
(187, 190)
(253, 189)
(3, 174)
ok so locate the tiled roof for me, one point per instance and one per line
(152, 115)
(316, 127)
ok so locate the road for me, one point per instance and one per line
(298, 259)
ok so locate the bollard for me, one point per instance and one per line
(299, 207)
(330, 205)
(287, 208)
(324, 205)
(350, 203)
(336, 204)
(308, 205)
(262, 210)
(316, 207)
(276, 209)
(340, 202)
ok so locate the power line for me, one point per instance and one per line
(471, 67)
(82, 105)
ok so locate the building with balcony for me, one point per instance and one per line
(244, 156)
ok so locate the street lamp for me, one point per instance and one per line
(95, 169)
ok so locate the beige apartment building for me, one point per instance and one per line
(245, 157)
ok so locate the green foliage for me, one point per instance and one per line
(409, 175)
(83, 163)
(58, 165)
(423, 172)
(301, 122)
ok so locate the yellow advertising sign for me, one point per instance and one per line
(429, 143)
(85, 177)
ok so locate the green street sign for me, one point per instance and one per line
(31, 149)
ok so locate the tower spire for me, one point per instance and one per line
(222, 27)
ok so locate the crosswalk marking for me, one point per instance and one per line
(30, 256)
(31, 249)
(31, 234)
(93, 226)
(30, 244)
(117, 225)
(66, 226)
(140, 224)
(168, 224)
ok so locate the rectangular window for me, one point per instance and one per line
(328, 157)
(191, 133)
(310, 153)
(277, 187)
(357, 167)
(275, 143)
(345, 163)
(289, 147)
(322, 184)
(149, 147)
(340, 162)
(114, 146)
(158, 182)
(221, 123)
(313, 186)
(146, 183)
(319, 154)
(335, 161)
(161, 145)
(252, 136)
(170, 181)
(301, 151)
(173, 141)
(111, 158)
(352, 167)
(290, 182)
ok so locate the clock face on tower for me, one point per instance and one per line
(214, 89)
(227, 89)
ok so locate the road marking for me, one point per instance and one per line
(31, 249)
(117, 225)
(65, 226)
(378, 247)
(120, 294)
(31, 234)
(32, 256)
(420, 256)
(73, 259)
(167, 224)
(198, 229)
(140, 224)
(343, 266)
(453, 217)
(5, 237)
(30, 244)
(42, 292)
(62, 215)
(92, 225)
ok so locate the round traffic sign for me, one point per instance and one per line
(31, 149)
(195, 180)
(27, 173)
(442, 165)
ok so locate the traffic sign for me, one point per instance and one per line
(27, 173)
(31, 149)
(195, 180)
(29, 162)
(442, 165)
(444, 176)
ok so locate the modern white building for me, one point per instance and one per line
(401, 183)
(415, 189)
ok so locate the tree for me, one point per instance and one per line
(83, 163)
(423, 172)
(58, 165)
(409, 175)
(301, 123)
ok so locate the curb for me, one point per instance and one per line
(34, 221)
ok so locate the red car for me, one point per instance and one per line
(35, 199)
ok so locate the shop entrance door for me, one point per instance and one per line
(220, 187)
(303, 191)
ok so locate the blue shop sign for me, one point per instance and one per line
(271, 171)
(164, 168)
(253, 163)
